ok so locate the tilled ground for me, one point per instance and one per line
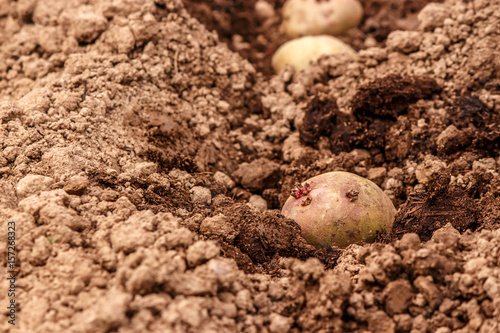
(143, 162)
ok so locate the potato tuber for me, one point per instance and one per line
(300, 52)
(339, 208)
(313, 17)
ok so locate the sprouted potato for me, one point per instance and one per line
(339, 208)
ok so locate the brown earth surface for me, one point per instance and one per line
(146, 149)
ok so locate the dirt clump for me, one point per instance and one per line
(428, 211)
(250, 28)
(390, 96)
(383, 17)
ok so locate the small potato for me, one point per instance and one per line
(300, 52)
(313, 17)
(339, 208)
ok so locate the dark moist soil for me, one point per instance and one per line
(376, 108)
(440, 204)
(237, 17)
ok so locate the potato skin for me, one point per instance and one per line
(342, 208)
(312, 17)
(300, 52)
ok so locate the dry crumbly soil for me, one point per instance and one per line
(144, 158)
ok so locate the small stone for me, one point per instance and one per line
(201, 252)
(391, 184)
(263, 10)
(181, 176)
(447, 235)
(258, 202)
(293, 149)
(145, 169)
(121, 39)
(492, 288)
(409, 241)
(258, 174)
(40, 251)
(32, 184)
(379, 321)
(398, 295)
(450, 138)
(3, 161)
(484, 164)
(448, 305)
(220, 226)
(195, 282)
(244, 300)
(76, 185)
(10, 153)
(190, 312)
(475, 265)
(431, 293)
(433, 16)
(181, 237)
(142, 280)
(404, 41)
(403, 322)
(419, 300)
(226, 271)
(357, 155)
(276, 291)
(279, 323)
(109, 195)
(426, 170)
(419, 324)
(222, 178)
(201, 195)
(377, 175)
(83, 23)
(395, 173)
(108, 312)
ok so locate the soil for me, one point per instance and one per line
(146, 148)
